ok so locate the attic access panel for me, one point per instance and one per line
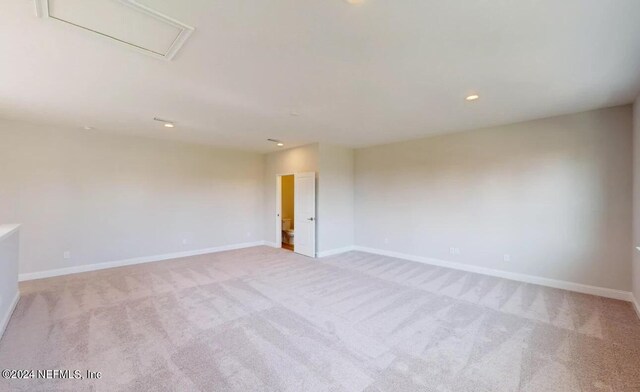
(122, 21)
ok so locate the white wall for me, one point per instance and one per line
(335, 198)
(9, 240)
(106, 197)
(334, 167)
(636, 200)
(554, 194)
(293, 160)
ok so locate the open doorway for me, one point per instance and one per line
(296, 213)
(288, 212)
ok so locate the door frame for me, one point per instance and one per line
(278, 243)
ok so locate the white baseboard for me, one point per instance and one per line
(137, 260)
(7, 316)
(558, 284)
(272, 244)
(336, 251)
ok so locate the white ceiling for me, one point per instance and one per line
(355, 75)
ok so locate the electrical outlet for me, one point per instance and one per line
(184, 241)
(507, 257)
(457, 251)
(248, 234)
(66, 254)
(452, 251)
(386, 240)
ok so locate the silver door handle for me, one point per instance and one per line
(310, 219)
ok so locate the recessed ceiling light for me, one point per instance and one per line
(87, 128)
(472, 97)
(355, 1)
(167, 123)
(277, 142)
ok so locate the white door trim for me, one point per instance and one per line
(279, 210)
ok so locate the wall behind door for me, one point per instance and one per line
(335, 198)
(293, 160)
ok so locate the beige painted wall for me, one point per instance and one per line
(107, 197)
(636, 199)
(288, 194)
(334, 190)
(554, 194)
(293, 160)
(335, 197)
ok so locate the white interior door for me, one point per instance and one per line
(305, 214)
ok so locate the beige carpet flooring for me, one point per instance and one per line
(262, 319)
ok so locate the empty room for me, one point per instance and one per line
(327, 195)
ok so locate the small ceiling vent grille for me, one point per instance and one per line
(122, 21)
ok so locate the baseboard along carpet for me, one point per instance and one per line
(263, 319)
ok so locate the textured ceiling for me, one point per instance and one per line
(328, 71)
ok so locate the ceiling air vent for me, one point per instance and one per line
(123, 21)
